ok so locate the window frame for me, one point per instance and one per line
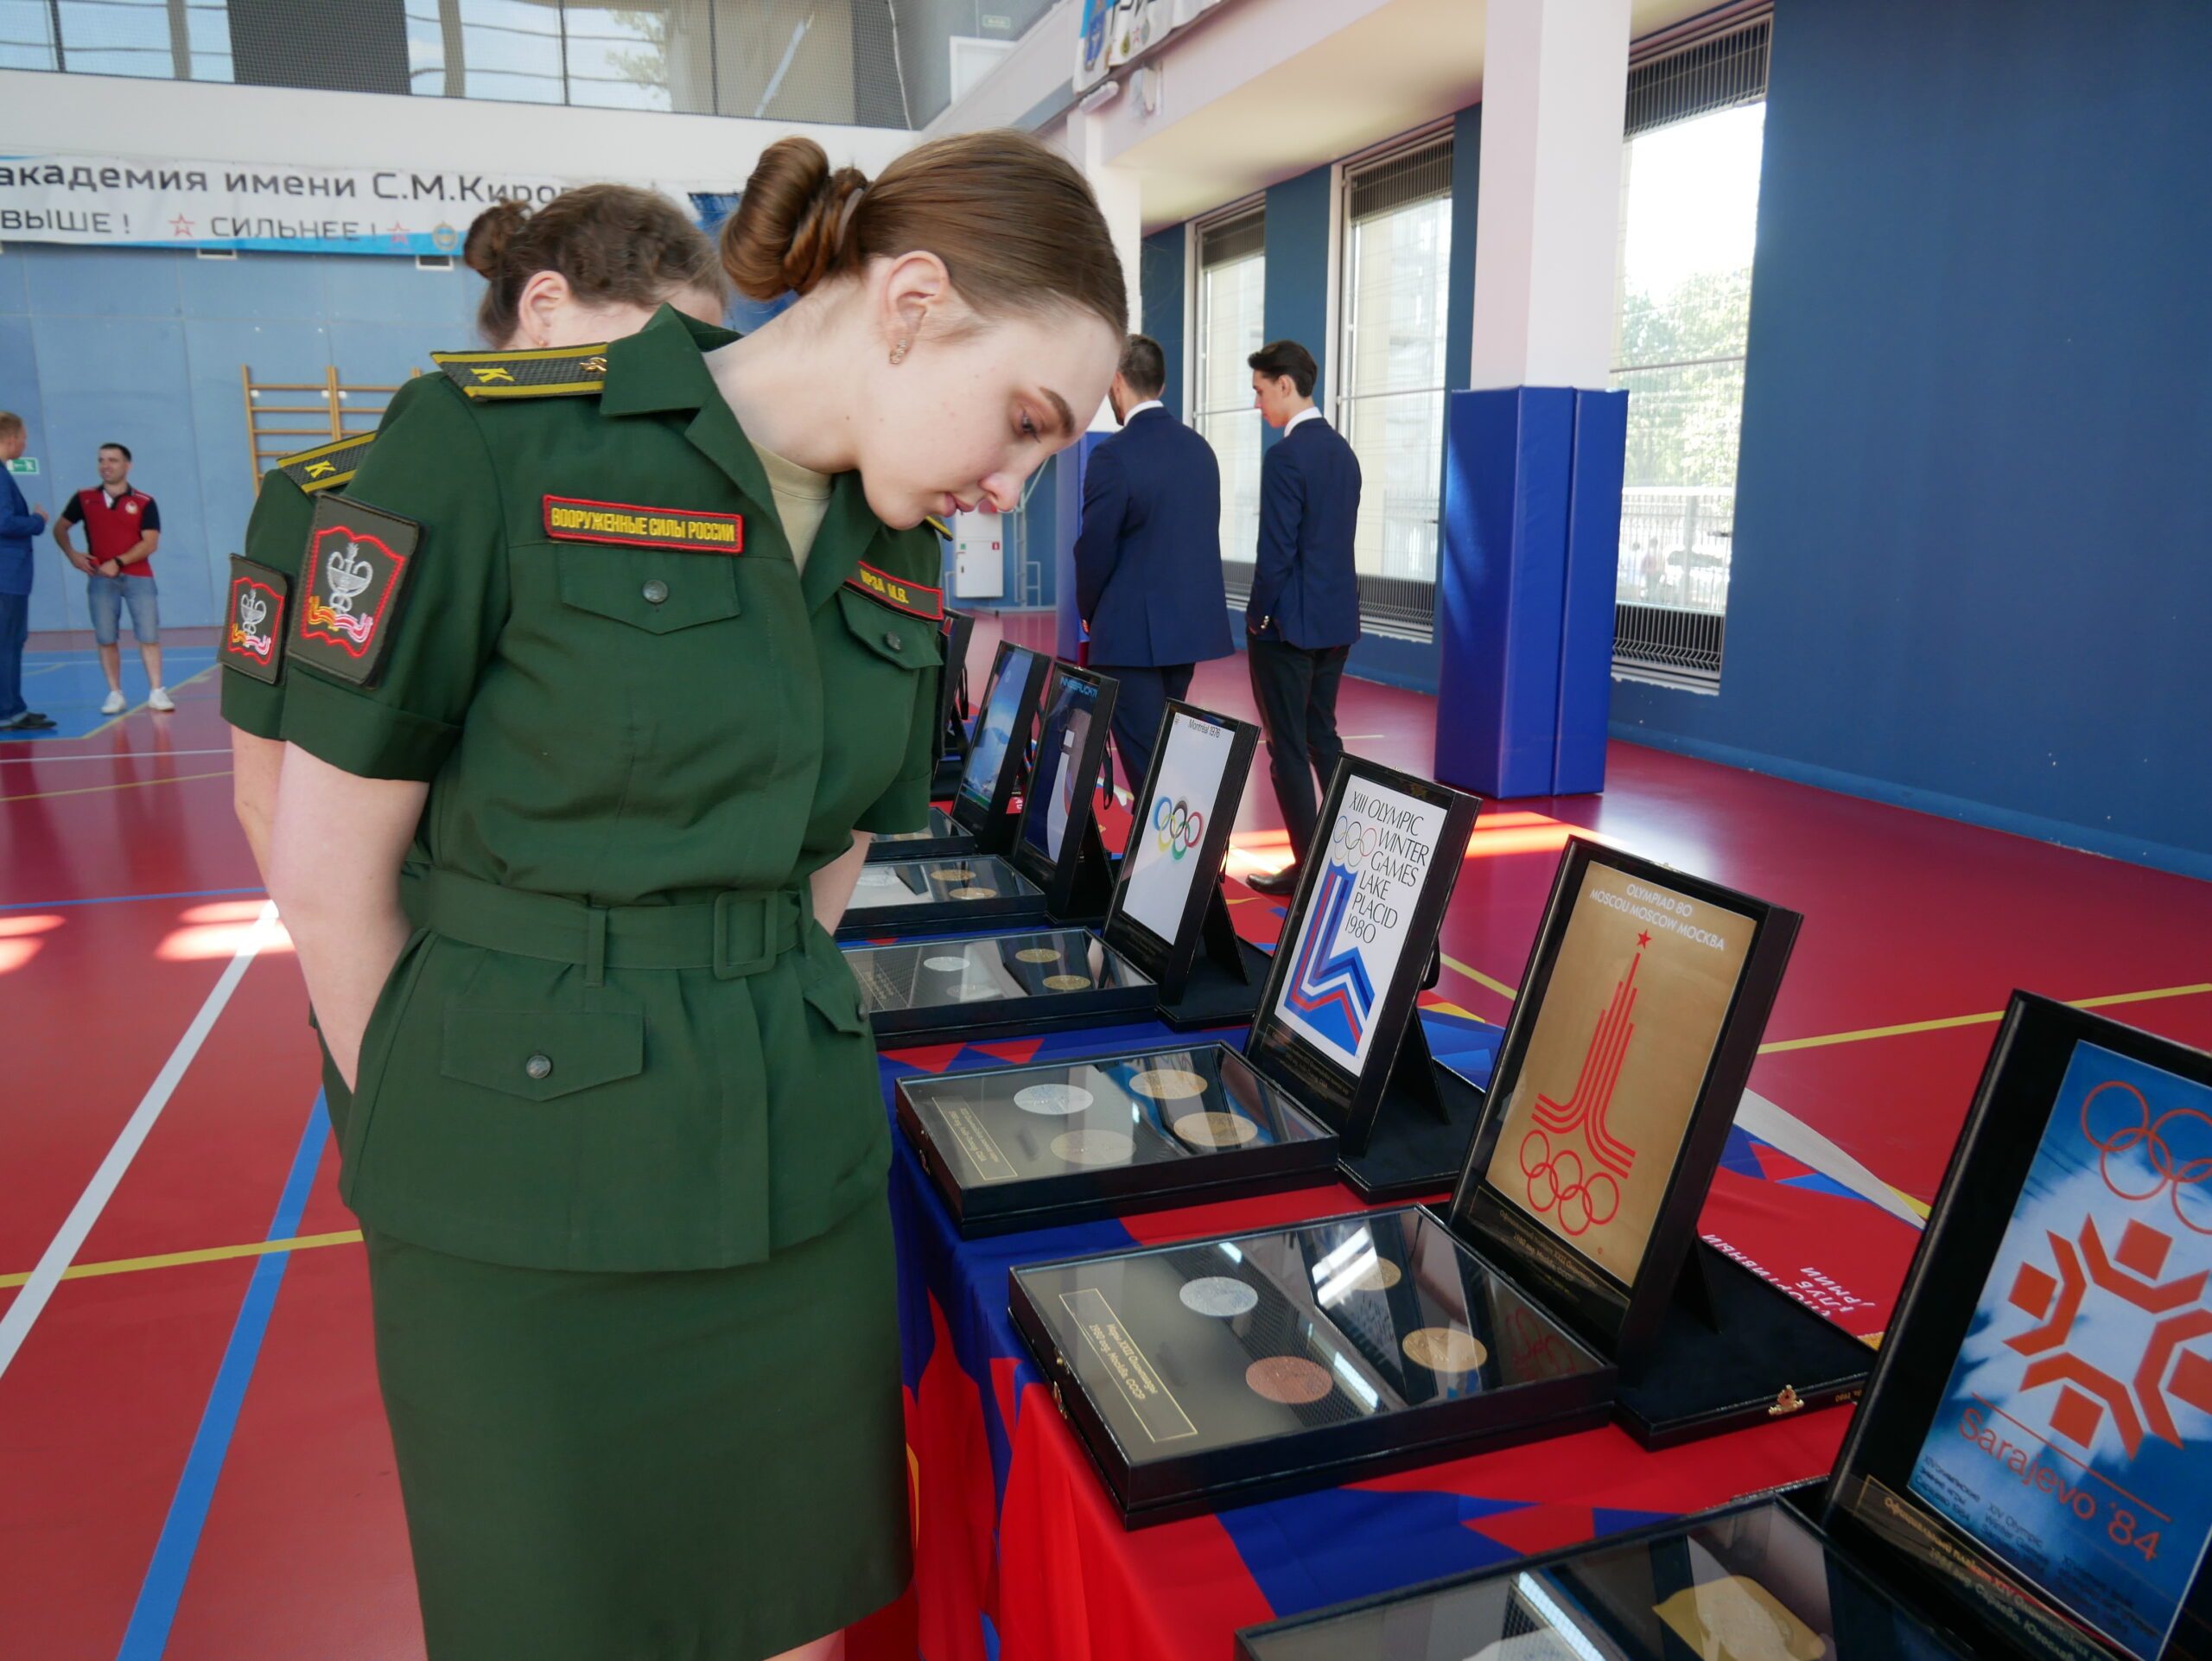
(1403, 608)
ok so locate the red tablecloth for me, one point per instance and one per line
(1021, 1557)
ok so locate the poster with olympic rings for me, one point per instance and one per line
(2075, 1437)
(1164, 846)
(1356, 918)
(1596, 1114)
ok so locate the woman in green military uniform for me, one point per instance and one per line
(592, 264)
(623, 647)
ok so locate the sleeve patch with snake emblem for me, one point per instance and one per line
(253, 621)
(357, 563)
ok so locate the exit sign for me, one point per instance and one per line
(23, 464)
(993, 20)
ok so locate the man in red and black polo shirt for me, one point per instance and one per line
(123, 527)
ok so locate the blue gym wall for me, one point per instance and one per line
(1973, 524)
(1161, 292)
(143, 346)
(1973, 537)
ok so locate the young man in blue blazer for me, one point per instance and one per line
(1304, 612)
(1148, 559)
(21, 524)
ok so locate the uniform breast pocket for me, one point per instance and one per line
(649, 589)
(890, 637)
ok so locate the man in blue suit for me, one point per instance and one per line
(1304, 613)
(1148, 560)
(20, 526)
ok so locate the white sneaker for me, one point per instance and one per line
(114, 704)
(159, 699)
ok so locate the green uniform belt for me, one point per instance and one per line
(735, 935)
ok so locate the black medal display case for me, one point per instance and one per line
(1755, 1582)
(1021, 1148)
(1167, 917)
(908, 895)
(1216, 1372)
(2027, 1477)
(942, 839)
(1331, 1048)
(956, 736)
(959, 991)
(1639, 1015)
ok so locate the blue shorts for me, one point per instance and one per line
(108, 595)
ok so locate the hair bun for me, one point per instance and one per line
(490, 233)
(789, 230)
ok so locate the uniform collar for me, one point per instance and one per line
(662, 369)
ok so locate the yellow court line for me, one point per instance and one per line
(1903, 1029)
(1477, 976)
(135, 784)
(1988, 1018)
(205, 1255)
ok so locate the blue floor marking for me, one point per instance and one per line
(125, 899)
(148, 1635)
(70, 688)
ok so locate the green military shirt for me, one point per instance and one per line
(623, 695)
(251, 646)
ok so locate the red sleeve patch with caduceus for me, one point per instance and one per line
(357, 563)
(253, 621)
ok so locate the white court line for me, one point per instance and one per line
(15, 1322)
(1779, 1128)
(118, 756)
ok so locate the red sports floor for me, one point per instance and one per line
(193, 1462)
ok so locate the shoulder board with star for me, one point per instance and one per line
(326, 466)
(939, 525)
(550, 371)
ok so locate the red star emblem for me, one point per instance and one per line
(1643, 939)
(180, 226)
(399, 237)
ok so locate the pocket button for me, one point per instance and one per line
(890, 638)
(655, 592)
(539, 1066)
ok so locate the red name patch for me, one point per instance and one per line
(571, 519)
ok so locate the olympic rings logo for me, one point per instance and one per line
(1177, 827)
(1556, 1183)
(1352, 844)
(2177, 1143)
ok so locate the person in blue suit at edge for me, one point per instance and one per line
(1304, 613)
(1148, 559)
(20, 526)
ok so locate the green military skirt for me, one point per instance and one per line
(700, 1465)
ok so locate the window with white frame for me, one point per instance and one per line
(1230, 307)
(1390, 381)
(1689, 218)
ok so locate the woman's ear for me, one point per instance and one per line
(545, 300)
(915, 286)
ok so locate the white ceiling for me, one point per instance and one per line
(1404, 64)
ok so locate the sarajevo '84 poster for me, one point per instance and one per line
(2072, 1438)
(1639, 991)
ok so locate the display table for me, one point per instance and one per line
(1019, 1555)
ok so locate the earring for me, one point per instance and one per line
(899, 352)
